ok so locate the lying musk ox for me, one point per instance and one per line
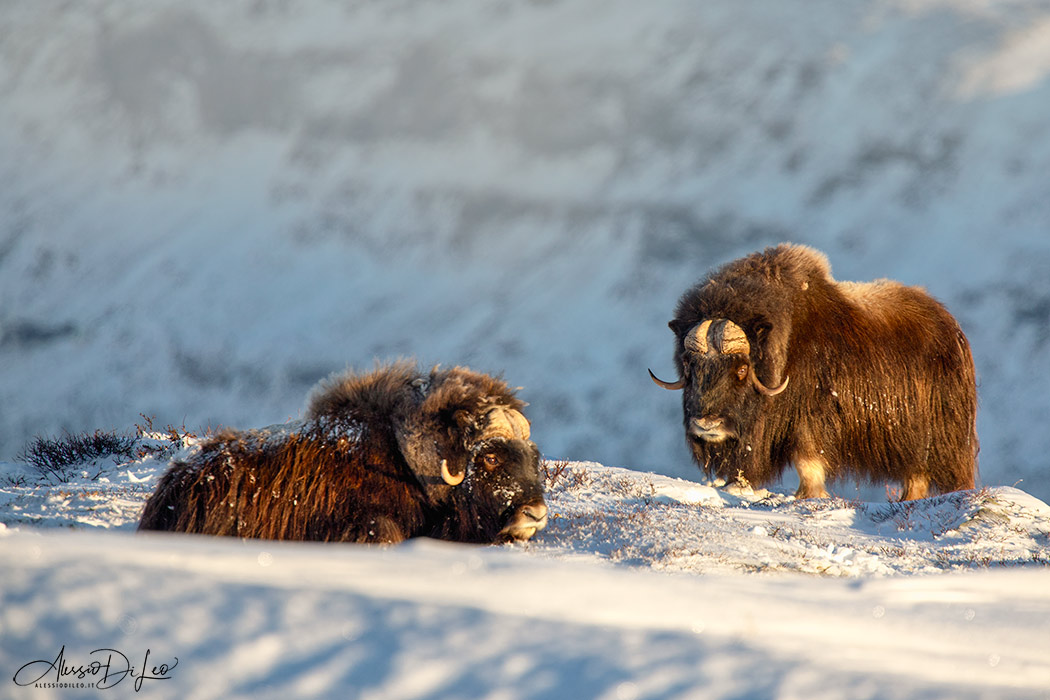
(779, 363)
(379, 457)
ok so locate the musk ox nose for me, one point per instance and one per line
(537, 512)
(709, 429)
(526, 522)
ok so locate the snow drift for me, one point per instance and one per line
(642, 586)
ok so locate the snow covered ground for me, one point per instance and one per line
(642, 586)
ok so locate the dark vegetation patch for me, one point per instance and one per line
(57, 458)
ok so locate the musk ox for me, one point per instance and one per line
(379, 457)
(779, 363)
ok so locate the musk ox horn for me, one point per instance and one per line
(506, 423)
(727, 338)
(447, 476)
(763, 389)
(734, 340)
(670, 386)
(696, 339)
(721, 335)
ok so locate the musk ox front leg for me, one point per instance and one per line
(812, 473)
(382, 530)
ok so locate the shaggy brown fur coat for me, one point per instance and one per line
(882, 382)
(363, 466)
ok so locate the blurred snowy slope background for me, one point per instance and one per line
(205, 208)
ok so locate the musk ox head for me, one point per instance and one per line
(720, 383)
(466, 441)
(491, 470)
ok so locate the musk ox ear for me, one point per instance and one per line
(422, 433)
(761, 331)
(679, 327)
(769, 355)
(432, 463)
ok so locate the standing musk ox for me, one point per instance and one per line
(779, 363)
(380, 457)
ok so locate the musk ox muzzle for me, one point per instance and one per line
(525, 522)
(710, 429)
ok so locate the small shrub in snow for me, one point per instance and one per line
(57, 458)
(164, 443)
(561, 476)
(553, 472)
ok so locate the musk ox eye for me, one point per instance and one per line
(741, 372)
(490, 461)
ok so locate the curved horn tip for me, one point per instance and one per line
(763, 389)
(670, 386)
(447, 477)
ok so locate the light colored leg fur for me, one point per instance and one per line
(811, 472)
(916, 486)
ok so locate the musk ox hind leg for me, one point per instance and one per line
(916, 486)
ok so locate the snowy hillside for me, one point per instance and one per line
(642, 586)
(205, 207)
